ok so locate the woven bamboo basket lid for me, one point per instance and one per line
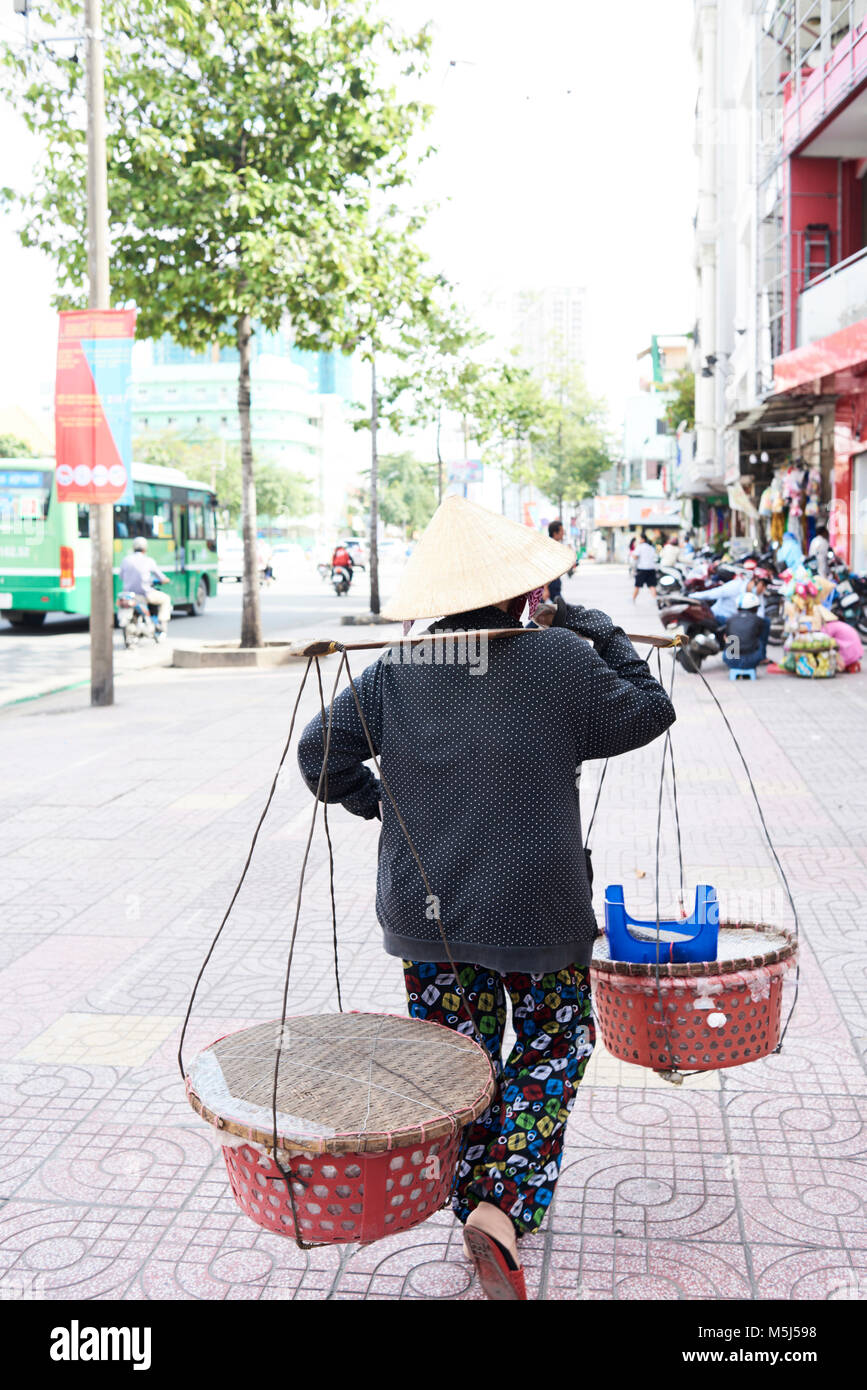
(742, 946)
(347, 1083)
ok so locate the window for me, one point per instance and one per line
(196, 524)
(24, 497)
(84, 522)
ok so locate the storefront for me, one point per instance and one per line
(616, 518)
(836, 367)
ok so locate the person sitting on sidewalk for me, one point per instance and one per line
(137, 575)
(477, 776)
(746, 635)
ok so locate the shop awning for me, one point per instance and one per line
(782, 408)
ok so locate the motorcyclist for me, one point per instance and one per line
(137, 576)
(341, 559)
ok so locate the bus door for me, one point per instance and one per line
(179, 528)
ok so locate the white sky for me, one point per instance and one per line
(564, 137)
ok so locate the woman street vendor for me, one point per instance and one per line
(481, 759)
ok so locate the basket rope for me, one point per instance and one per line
(330, 847)
(668, 755)
(771, 847)
(289, 1177)
(247, 863)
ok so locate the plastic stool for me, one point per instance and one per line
(687, 939)
(736, 674)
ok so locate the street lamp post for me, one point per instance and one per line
(102, 513)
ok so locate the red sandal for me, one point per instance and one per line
(498, 1275)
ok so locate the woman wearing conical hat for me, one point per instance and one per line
(478, 742)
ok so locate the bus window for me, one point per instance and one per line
(84, 522)
(211, 526)
(24, 496)
(121, 522)
(196, 521)
(158, 518)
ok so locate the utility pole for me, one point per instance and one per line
(101, 513)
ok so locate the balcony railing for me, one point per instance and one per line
(812, 92)
(834, 300)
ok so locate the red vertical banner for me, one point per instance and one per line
(92, 404)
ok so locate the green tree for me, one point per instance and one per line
(507, 415)
(246, 142)
(11, 447)
(396, 294)
(407, 491)
(680, 410)
(279, 492)
(438, 373)
(198, 455)
(572, 450)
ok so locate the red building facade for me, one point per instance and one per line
(820, 339)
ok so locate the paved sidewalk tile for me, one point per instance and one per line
(117, 864)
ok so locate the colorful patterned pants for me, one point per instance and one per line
(511, 1155)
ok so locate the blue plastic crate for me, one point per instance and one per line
(690, 938)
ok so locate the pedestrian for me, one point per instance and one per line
(746, 635)
(139, 574)
(819, 548)
(645, 567)
(478, 778)
(553, 590)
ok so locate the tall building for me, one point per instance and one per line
(299, 409)
(545, 325)
(640, 489)
(781, 243)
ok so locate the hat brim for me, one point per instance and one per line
(470, 558)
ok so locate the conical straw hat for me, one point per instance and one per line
(469, 557)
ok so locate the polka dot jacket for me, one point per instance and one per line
(481, 758)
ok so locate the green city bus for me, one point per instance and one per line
(45, 546)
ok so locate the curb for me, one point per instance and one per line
(367, 620)
(211, 656)
(42, 694)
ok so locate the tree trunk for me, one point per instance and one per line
(251, 613)
(374, 497)
(439, 458)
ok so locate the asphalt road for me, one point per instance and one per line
(58, 654)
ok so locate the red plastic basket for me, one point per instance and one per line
(358, 1197)
(370, 1114)
(635, 1029)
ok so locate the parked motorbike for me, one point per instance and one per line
(694, 620)
(135, 618)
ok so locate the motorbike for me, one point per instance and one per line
(341, 578)
(694, 620)
(135, 618)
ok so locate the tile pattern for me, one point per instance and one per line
(117, 861)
